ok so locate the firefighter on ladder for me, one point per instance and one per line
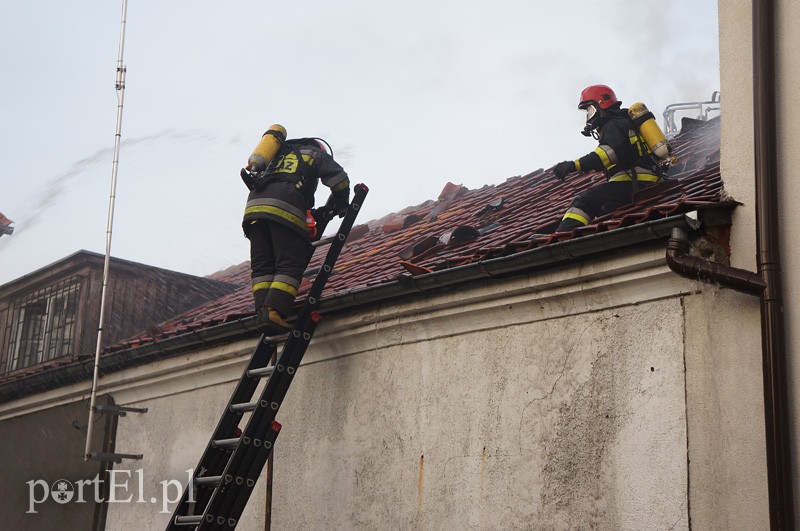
(622, 155)
(278, 220)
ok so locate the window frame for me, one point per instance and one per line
(43, 324)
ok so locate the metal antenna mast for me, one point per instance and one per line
(120, 86)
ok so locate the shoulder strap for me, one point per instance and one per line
(305, 175)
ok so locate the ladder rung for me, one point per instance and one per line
(188, 520)
(274, 340)
(258, 373)
(226, 444)
(208, 480)
(244, 407)
(323, 241)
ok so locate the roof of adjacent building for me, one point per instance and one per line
(464, 226)
(135, 292)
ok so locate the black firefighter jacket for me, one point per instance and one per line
(289, 190)
(620, 151)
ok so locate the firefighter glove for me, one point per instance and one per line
(564, 168)
(322, 213)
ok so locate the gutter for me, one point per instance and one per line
(773, 334)
(526, 261)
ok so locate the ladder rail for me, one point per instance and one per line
(231, 497)
(214, 458)
(228, 470)
(246, 462)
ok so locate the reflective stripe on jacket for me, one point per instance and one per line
(620, 150)
(290, 192)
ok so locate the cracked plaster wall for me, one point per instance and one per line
(727, 457)
(566, 423)
(628, 399)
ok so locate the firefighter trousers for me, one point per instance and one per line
(278, 258)
(596, 201)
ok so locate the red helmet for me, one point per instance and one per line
(602, 95)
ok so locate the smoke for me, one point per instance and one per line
(164, 187)
(41, 203)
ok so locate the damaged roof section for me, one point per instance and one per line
(464, 226)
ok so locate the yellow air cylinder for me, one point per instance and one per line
(652, 134)
(267, 148)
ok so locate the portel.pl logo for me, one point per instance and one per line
(124, 486)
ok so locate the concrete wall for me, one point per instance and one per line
(737, 160)
(615, 402)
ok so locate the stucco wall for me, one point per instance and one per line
(539, 401)
(556, 423)
(737, 162)
(185, 398)
(788, 81)
(727, 459)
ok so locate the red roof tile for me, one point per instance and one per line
(465, 226)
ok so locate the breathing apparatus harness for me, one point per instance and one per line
(264, 163)
(255, 180)
(652, 144)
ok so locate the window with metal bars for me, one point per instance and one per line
(42, 326)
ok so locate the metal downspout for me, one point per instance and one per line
(773, 336)
(694, 267)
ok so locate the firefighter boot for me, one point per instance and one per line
(270, 322)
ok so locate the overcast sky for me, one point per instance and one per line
(410, 95)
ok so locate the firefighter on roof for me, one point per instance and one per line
(623, 155)
(282, 176)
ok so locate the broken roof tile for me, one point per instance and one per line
(393, 222)
(414, 269)
(459, 235)
(451, 191)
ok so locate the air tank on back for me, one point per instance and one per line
(267, 148)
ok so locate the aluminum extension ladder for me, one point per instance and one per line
(230, 466)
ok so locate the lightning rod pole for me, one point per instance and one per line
(120, 87)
